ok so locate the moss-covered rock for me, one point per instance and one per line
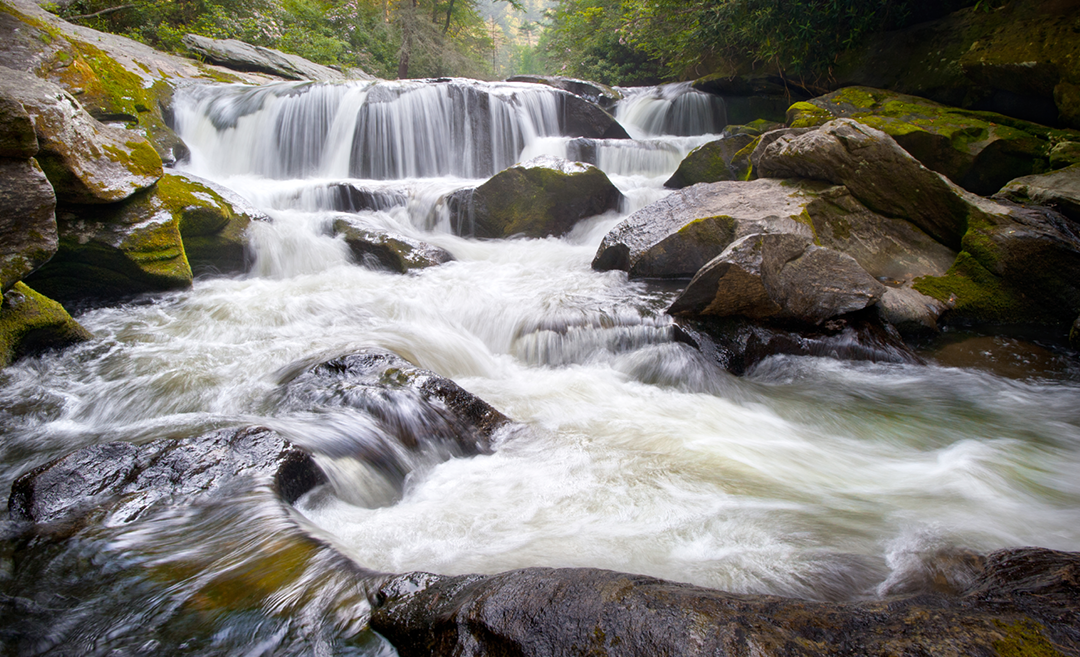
(27, 220)
(85, 160)
(712, 162)
(542, 197)
(1058, 189)
(396, 253)
(979, 151)
(1064, 154)
(31, 322)
(213, 222)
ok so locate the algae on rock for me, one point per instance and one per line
(31, 322)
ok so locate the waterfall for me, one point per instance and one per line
(670, 109)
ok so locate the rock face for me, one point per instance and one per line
(594, 92)
(126, 480)
(978, 151)
(85, 161)
(27, 220)
(782, 277)
(1058, 189)
(1023, 602)
(711, 162)
(241, 56)
(391, 251)
(30, 323)
(544, 196)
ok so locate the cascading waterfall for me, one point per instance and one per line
(808, 477)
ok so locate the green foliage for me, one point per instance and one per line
(586, 39)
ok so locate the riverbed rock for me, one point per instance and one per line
(911, 312)
(213, 222)
(543, 197)
(1024, 601)
(27, 220)
(391, 251)
(580, 118)
(86, 161)
(594, 92)
(782, 277)
(30, 323)
(241, 56)
(126, 480)
(711, 162)
(1058, 189)
(979, 151)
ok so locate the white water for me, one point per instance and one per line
(808, 477)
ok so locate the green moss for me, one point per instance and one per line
(975, 294)
(807, 115)
(718, 230)
(31, 322)
(1024, 638)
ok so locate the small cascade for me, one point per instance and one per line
(670, 109)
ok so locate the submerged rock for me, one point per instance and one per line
(545, 196)
(711, 162)
(27, 220)
(391, 251)
(125, 480)
(1023, 601)
(1058, 189)
(30, 322)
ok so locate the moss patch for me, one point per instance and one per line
(31, 322)
(975, 294)
(1023, 638)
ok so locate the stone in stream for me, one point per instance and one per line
(214, 222)
(1021, 602)
(391, 251)
(545, 196)
(125, 480)
(711, 162)
(30, 323)
(594, 92)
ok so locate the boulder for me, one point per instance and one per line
(86, 161)
(677, 235)
(213, 224)
(126, 480)
(390, 251)
(30, 323)
(241, 56)
(1023, 601)
(979, 151)
(876, 170)
(910, 312)
(782, 277)
(1058, 189)
(711, 162)
(18, 139)
(542, 197)
(1064, 154)
(594, 92)
(580, 118)
(27, 220)
(755, 128)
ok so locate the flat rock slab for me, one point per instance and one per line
(1025, 601)
(126, 480)
(245, 57)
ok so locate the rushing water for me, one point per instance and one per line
(807, 477)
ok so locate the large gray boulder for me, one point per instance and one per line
(85, 160)
(1057, 189)
(27, 220)
(877, 171)
(245, 57)
(782, 277)
(545, 196)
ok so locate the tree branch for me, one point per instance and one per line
(99, 13)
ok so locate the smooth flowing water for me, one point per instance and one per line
(807, 477)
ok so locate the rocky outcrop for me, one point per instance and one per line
(1023, 601)
(712, 162)
(391, 251)
(84, 160)
(1058, 189)
(778, 277)
(542, 197)
(976, 150)
(594, 92)
(31, 323)
(27, 220)
(127, 480)
(245, 57)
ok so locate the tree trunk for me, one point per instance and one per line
(449, 10)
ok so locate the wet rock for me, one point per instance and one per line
(27, 220)
(978, 151)
(542, 197)
(580, 118)
(910, 312)
(711, 162)
(213, 222)
(594, 92)
(755, 128)
(391, 251)
(877, 172)
(783, 277)
(349, 197)
(1058, 189)
(241, 56)
(86, 161)
(125, 480)
(677, 235)
(1074, 334)
(30, 323)
(1023, 600)
(762, 93)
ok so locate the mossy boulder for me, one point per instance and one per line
(980, 151)
(31, 322)
(213, 222)
(391, 251)
(84, 160)
(1059, 190)
(27, 220)
(712, 162)
(543, 197)
(1064, 154)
